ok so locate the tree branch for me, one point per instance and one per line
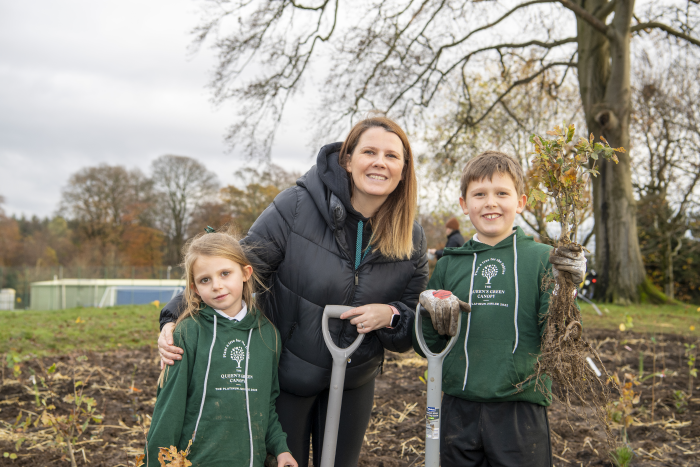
(528, 223)
(312, 8)
(430, 66)
(664, 27)
(586, 16)
(522, 81)
(605, 11)
(588, 237)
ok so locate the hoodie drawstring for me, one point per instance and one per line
(206, 377)
(515, 314)
(469, 322)
(515, 271)
(247, 402)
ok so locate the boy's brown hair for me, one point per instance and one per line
(488, 163)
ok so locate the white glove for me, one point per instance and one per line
(444, 308)
(569, 260)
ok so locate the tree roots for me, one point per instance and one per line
(563, 358)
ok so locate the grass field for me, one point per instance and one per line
(78, 329)
(100, 329)
(652, 319)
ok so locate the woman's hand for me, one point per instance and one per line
(285, 459)
(369, 317)
(168, 352)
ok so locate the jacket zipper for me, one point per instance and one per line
(345, 322)
(291, 331)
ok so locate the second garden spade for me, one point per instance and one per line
(335, 396)
(434, 380)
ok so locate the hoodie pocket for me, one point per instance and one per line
(492, 373)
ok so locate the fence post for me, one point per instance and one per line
(63, 288)
(133, 271)
(78, 299)
(26, 288)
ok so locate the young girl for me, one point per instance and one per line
(222, 393)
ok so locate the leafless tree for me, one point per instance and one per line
(101, 198)
(258, 188)
(666, 178)
(404, 56)
(182, 183)
(537, 107)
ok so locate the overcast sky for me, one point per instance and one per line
(84, 83)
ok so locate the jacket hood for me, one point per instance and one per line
(251, 320)
(327, 183)
(472, 246)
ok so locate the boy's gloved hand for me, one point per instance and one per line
(569, 260)
(444, 309)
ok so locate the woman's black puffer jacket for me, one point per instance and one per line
(304, 258)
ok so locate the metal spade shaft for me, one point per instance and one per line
(434, 402)
(335, 396)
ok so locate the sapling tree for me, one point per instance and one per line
(621, 411)
(562, 170)
(66, 429)
(692, 371)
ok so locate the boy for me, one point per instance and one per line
(486, 418)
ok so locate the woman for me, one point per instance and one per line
(345, 235)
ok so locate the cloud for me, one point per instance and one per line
(84, 83)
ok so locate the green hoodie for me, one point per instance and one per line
(236, 363)
(499, 341)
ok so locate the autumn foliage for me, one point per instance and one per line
(563, 169)
(112, 217)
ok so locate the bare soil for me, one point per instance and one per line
(123, 384)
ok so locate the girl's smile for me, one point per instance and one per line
(219, 282)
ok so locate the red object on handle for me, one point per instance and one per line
(442, 294)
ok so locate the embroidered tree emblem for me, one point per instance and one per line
(489, 272)
(238, 355)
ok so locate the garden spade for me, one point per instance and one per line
(335, 396)
(434, 380)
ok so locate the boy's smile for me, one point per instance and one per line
(491, 206)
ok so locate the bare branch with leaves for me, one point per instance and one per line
(563, 169)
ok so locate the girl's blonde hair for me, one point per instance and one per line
(223, 244)
(216, 244)
(392, 225)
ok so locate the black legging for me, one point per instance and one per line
(304, 417)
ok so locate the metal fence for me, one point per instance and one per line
(21, 278)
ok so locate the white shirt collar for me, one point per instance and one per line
(476, 239)
(239, 317)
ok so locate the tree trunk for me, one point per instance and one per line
(604, 79)
(668, 268)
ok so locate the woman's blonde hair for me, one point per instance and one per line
(223, 244)
(392, 224)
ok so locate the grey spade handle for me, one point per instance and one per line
(434, 396)
(335, 397)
